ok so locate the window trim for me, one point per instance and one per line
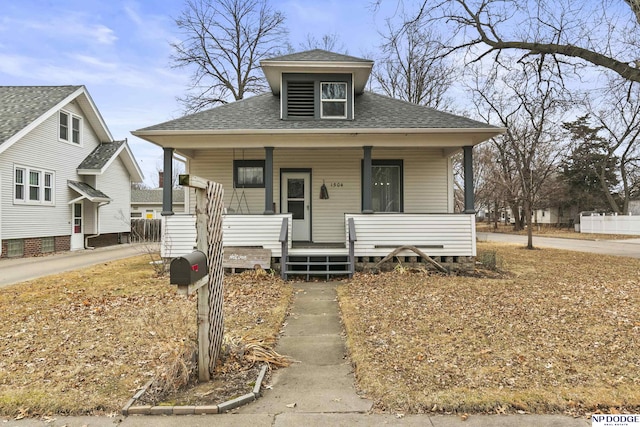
(248, 163)
(26, 186)
(342, 100)
(384, 162)
(70, 129)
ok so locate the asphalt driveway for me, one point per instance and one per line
(17, 270)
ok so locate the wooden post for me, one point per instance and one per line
(209, 208)
(202, 244)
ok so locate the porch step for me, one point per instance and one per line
(317, 265)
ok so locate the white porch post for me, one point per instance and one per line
(167, 184)
(367, 204)
(469, 203)
(268, 181)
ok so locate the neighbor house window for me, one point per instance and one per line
(387, 186)
(48, 244)
(333, 101)
(15, 248)
(33, 186)
(70, 126)
(248, 173)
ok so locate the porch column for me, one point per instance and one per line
(469, 203)
(268, 181)
(167, 184)
(367, 204)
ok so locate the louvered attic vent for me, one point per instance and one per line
(300, 99)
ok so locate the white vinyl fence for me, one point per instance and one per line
(610, 224)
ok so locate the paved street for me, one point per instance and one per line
(628, 248)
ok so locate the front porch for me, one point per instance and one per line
(447, 238)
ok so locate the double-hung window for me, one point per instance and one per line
(70, 128)
(333, 100)
(33, 186)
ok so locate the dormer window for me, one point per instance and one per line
(317, 96)
(333, 102)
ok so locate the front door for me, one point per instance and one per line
(77, 227)
(296, 199)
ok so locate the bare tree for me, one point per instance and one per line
(329, 41)
(411, 66)
(529, 102)
(571, 32)
(617, 115)
(223, 43)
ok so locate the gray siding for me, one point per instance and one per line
(41, 149)
(114, 182)
(426, 181)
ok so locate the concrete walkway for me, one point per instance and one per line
(628, 247)
(321, 380)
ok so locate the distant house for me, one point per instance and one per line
(318, 168)
(64, 182)
(148, 203)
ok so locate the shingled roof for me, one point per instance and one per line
(101, 155)
(373, 111)
(154, 196)
(21, 105)
(317, 55)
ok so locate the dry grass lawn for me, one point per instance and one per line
(83, 342)
(559, 333)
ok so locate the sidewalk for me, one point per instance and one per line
(15, 270)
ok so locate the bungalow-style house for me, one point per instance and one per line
(64, 182)
(325, 174)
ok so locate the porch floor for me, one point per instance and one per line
(310, 248)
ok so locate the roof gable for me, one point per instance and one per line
(104, 154)
(22, 108)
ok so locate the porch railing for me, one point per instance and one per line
(435, 234)
(284, 243)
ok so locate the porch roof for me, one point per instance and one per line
(255, 122)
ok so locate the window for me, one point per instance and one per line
(333, 101)
(387, 186)
(70, 128)
(136, 214)
(48, 244)
(33, 186)
(15, 248)
(19, 184)
(248, 173)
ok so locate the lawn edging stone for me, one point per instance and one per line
(131, 409)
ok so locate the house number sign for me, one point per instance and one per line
(337, 184)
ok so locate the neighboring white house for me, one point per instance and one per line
(147, 204)
(64, 182)
(320, 152)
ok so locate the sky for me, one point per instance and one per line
(120, 50)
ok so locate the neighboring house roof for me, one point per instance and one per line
(22, 108)
(105, 153)
(373, 112)
(154, 197)
(87, 191)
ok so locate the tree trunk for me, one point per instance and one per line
(527, 218)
